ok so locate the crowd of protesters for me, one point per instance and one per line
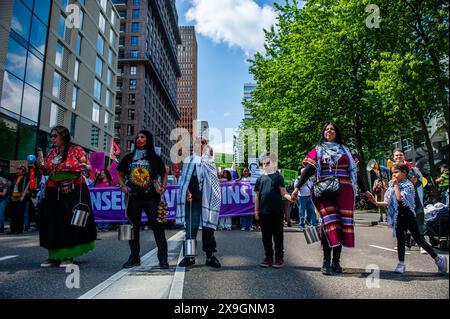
(143, 177)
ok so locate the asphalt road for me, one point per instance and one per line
(368, 270)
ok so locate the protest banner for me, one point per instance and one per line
(109, 206)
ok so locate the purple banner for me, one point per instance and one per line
(109, 207)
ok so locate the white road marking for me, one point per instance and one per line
(389, 249)
(150, 257)
(176, 290)
(8, 257)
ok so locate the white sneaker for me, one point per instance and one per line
(243, 228)
(66, 262)
(400, 269)
(423, 251)
(441, 263)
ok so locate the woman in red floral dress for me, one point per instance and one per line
(63, 191)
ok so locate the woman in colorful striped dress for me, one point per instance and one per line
(331, 157)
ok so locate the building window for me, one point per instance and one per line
(134, 41)
(136, 3)
(108, 77)
(76, 70)
(103, 4)
(101, 22)
(59, 54)
(133, 84)
(106, 123)
(97, 89)
(131, 114)
(113, 18)
(131, 99)
(95, 112)
(53, 115)
(100, 44)
(78, 45)
(62, 25)
(81, 19)
(111, 37)
(21, 20)
(133, 70)
(94, 136)
(108, 99)
(74, 97)
(56, 84)
(133, 54)
(73, 121)
(110, 56)
(130, 130)
(99, 66)
(122, 27)
(135, 13)
(135, 27)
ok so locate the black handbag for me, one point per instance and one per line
(327, 188)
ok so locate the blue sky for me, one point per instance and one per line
(228, 33)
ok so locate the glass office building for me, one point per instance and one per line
(23, 35)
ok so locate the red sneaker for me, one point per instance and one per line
(279, 263)
(267, 262)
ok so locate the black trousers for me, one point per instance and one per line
(134, 211)
(327, 249)
(17, 215)
(272, 229)
(407, 221)
(193, 219)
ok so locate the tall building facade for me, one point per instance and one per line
(24, 29)
(187, 83)
(148, 70)
(58, 68)
(248, 88)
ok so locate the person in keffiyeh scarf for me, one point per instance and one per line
(199, 200)
(399, 200)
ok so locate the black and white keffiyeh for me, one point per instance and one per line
(209, 184)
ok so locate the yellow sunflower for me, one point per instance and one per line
(140, 176)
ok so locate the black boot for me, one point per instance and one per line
(212, 261)
(326, 267)
(133, 261)
(335, 266)
(187, 261)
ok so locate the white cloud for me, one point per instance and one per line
(239, 23)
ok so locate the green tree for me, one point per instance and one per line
(316, 69)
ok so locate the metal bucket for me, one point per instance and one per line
(311, 234)
(126, 232)
(79, 217)
(190, 248)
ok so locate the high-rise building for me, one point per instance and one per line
(187, 83)
(148, 70)
(248, 88)
(58, 67)
(201, 129)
